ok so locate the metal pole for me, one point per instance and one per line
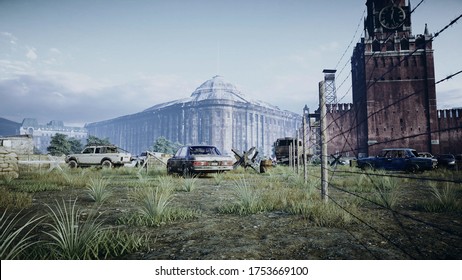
(305, 175)
(290, 155)
(297, 156)
(293, 153)
(323, 114)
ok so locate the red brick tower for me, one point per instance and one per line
(394, 82)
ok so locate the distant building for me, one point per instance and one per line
(42, 133)
(216, 113)
(8, 128)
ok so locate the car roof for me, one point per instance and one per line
(398, 149)
(200, 146)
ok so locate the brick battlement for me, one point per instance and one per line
(340, 107)
(450, 114)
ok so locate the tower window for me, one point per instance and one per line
(404, 44)
(420, 43)
(390, 45)
(376, 46)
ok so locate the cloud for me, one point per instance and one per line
(8, 37)
(31, 54)
(79, 99)
(449, 98)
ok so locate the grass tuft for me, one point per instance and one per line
(16, 236)
(98, 190)
(73, 236)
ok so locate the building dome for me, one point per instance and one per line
(217, 88)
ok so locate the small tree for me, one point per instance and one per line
(76, 145)
(95, 141)
(59, 145)
(163, 145)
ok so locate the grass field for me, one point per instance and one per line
(126, 214)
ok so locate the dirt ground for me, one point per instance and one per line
(407, 233)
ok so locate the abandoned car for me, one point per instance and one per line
(446, 161)
(199, 159)
(106, 156)
(397, 159)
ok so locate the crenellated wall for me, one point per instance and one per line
(341, 129)
(450, 130)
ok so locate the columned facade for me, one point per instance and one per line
(216, 114)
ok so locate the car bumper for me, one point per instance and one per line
(211, 169)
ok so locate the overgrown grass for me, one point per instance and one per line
(189, 184)
(98, 189)
(388, 190)
(445, 198)
(72, 235)
(325, 214)
(218, 178)
(14, 200)
(248, 197)
(113, 244)
(153, 203)
(16, 235)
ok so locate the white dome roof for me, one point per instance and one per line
(217, 88)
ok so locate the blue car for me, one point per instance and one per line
(397, 159)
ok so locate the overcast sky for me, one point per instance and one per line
(90, 60)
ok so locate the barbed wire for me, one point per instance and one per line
(397, 215)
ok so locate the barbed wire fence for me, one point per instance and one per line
(406, 239)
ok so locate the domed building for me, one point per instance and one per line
(216, 113)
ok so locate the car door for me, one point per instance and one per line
(382, 160)
(177, 159)
(395, 160)
(87, 156)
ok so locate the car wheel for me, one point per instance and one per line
(169, 170)
(73, 164)
(186, 172)
(414, 168)
(367, 167)
(106, 164)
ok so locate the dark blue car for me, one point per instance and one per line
(397, 159)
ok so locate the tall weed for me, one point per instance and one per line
(444, 198)
(98, 190)
(15, 236)
(73, 236)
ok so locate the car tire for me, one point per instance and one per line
(186, 172)
(169, 170)
(106, 163)
(73, 164)
(367, 167)
(414, 168)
